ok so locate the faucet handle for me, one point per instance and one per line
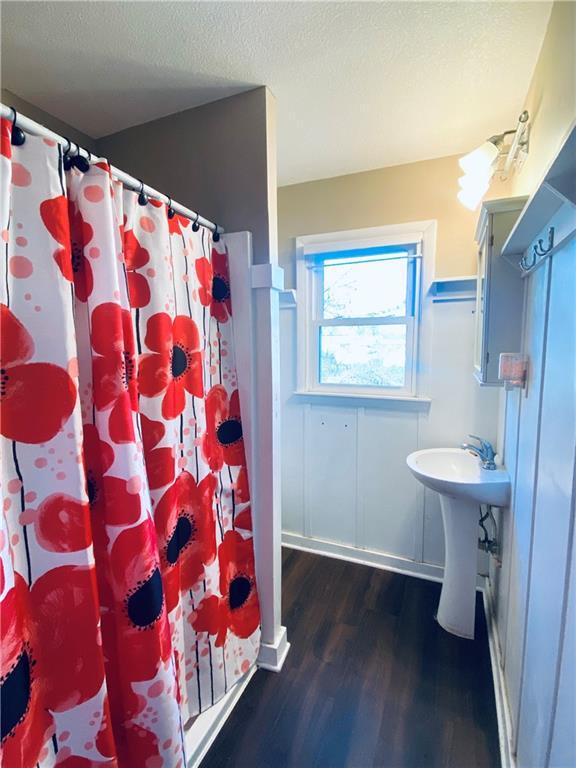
(487, 447)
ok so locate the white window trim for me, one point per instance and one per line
(420, 232)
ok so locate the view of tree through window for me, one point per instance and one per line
(357, 353)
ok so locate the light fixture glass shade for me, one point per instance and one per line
(480, 160)
(471, 194)
(470, 182)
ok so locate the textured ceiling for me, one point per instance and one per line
(358, 85)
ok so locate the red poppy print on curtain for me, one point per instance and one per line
(159, 461)
(237, 609)
(177, 223)
(186, 528)
(174, 366)
(65, 223)
(134, 618)
(5, 138)
(223, 441)
(221, 306)
(36, 399)
(204, 273)
(125, 543)
(113, 498)
(26, 724)
(136, 257)
(62, 524)
(138, 599)
(64, 605)
(114, 368)
(243, 520)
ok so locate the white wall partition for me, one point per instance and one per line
(346, 489)
(255, 328)
(255, 290)
(532, 595)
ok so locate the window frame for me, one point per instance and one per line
(310, 295)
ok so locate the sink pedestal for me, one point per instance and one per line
(457, 608)
(463, 485)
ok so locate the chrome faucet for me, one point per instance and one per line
(484, 451)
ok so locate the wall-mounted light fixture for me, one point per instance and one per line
(496, 155)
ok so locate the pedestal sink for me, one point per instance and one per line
(458, 476)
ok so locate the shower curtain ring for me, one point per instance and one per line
(81, 162)
(216, 235)
(171, 211)
(195, 225)
(142, 197)
(18, 136)
(66, 159)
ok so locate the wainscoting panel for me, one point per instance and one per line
(534, 605)
(522, 501)
(563, 738)
(344, 473)
(552, 527)
(291, 432)
(505, 527)
(391, 503)
(331, 451)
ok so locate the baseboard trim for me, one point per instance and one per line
(203, 732)
(507, 757)
(272, 657)
(367, 557)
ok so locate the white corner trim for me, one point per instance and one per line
(202, 733)
(268, 276)
(507, 757)
(272, 657)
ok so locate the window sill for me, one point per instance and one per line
(392, 402)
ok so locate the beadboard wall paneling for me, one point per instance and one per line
(533, 591)
(344, 473)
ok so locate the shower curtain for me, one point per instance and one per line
(127, 586)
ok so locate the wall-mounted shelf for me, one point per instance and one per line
(460, 288)
(558, 189)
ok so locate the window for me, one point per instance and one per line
(358, 308)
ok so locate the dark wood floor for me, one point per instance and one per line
(370, 680)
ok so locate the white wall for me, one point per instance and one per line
(344, 473)
(533, 592)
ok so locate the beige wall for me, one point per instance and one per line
(427, 190)
(551, 98)
(401, 193)
(45, 118)
(218, 158)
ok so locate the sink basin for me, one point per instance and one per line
(457, 475)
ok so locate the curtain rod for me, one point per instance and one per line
(36, 129)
